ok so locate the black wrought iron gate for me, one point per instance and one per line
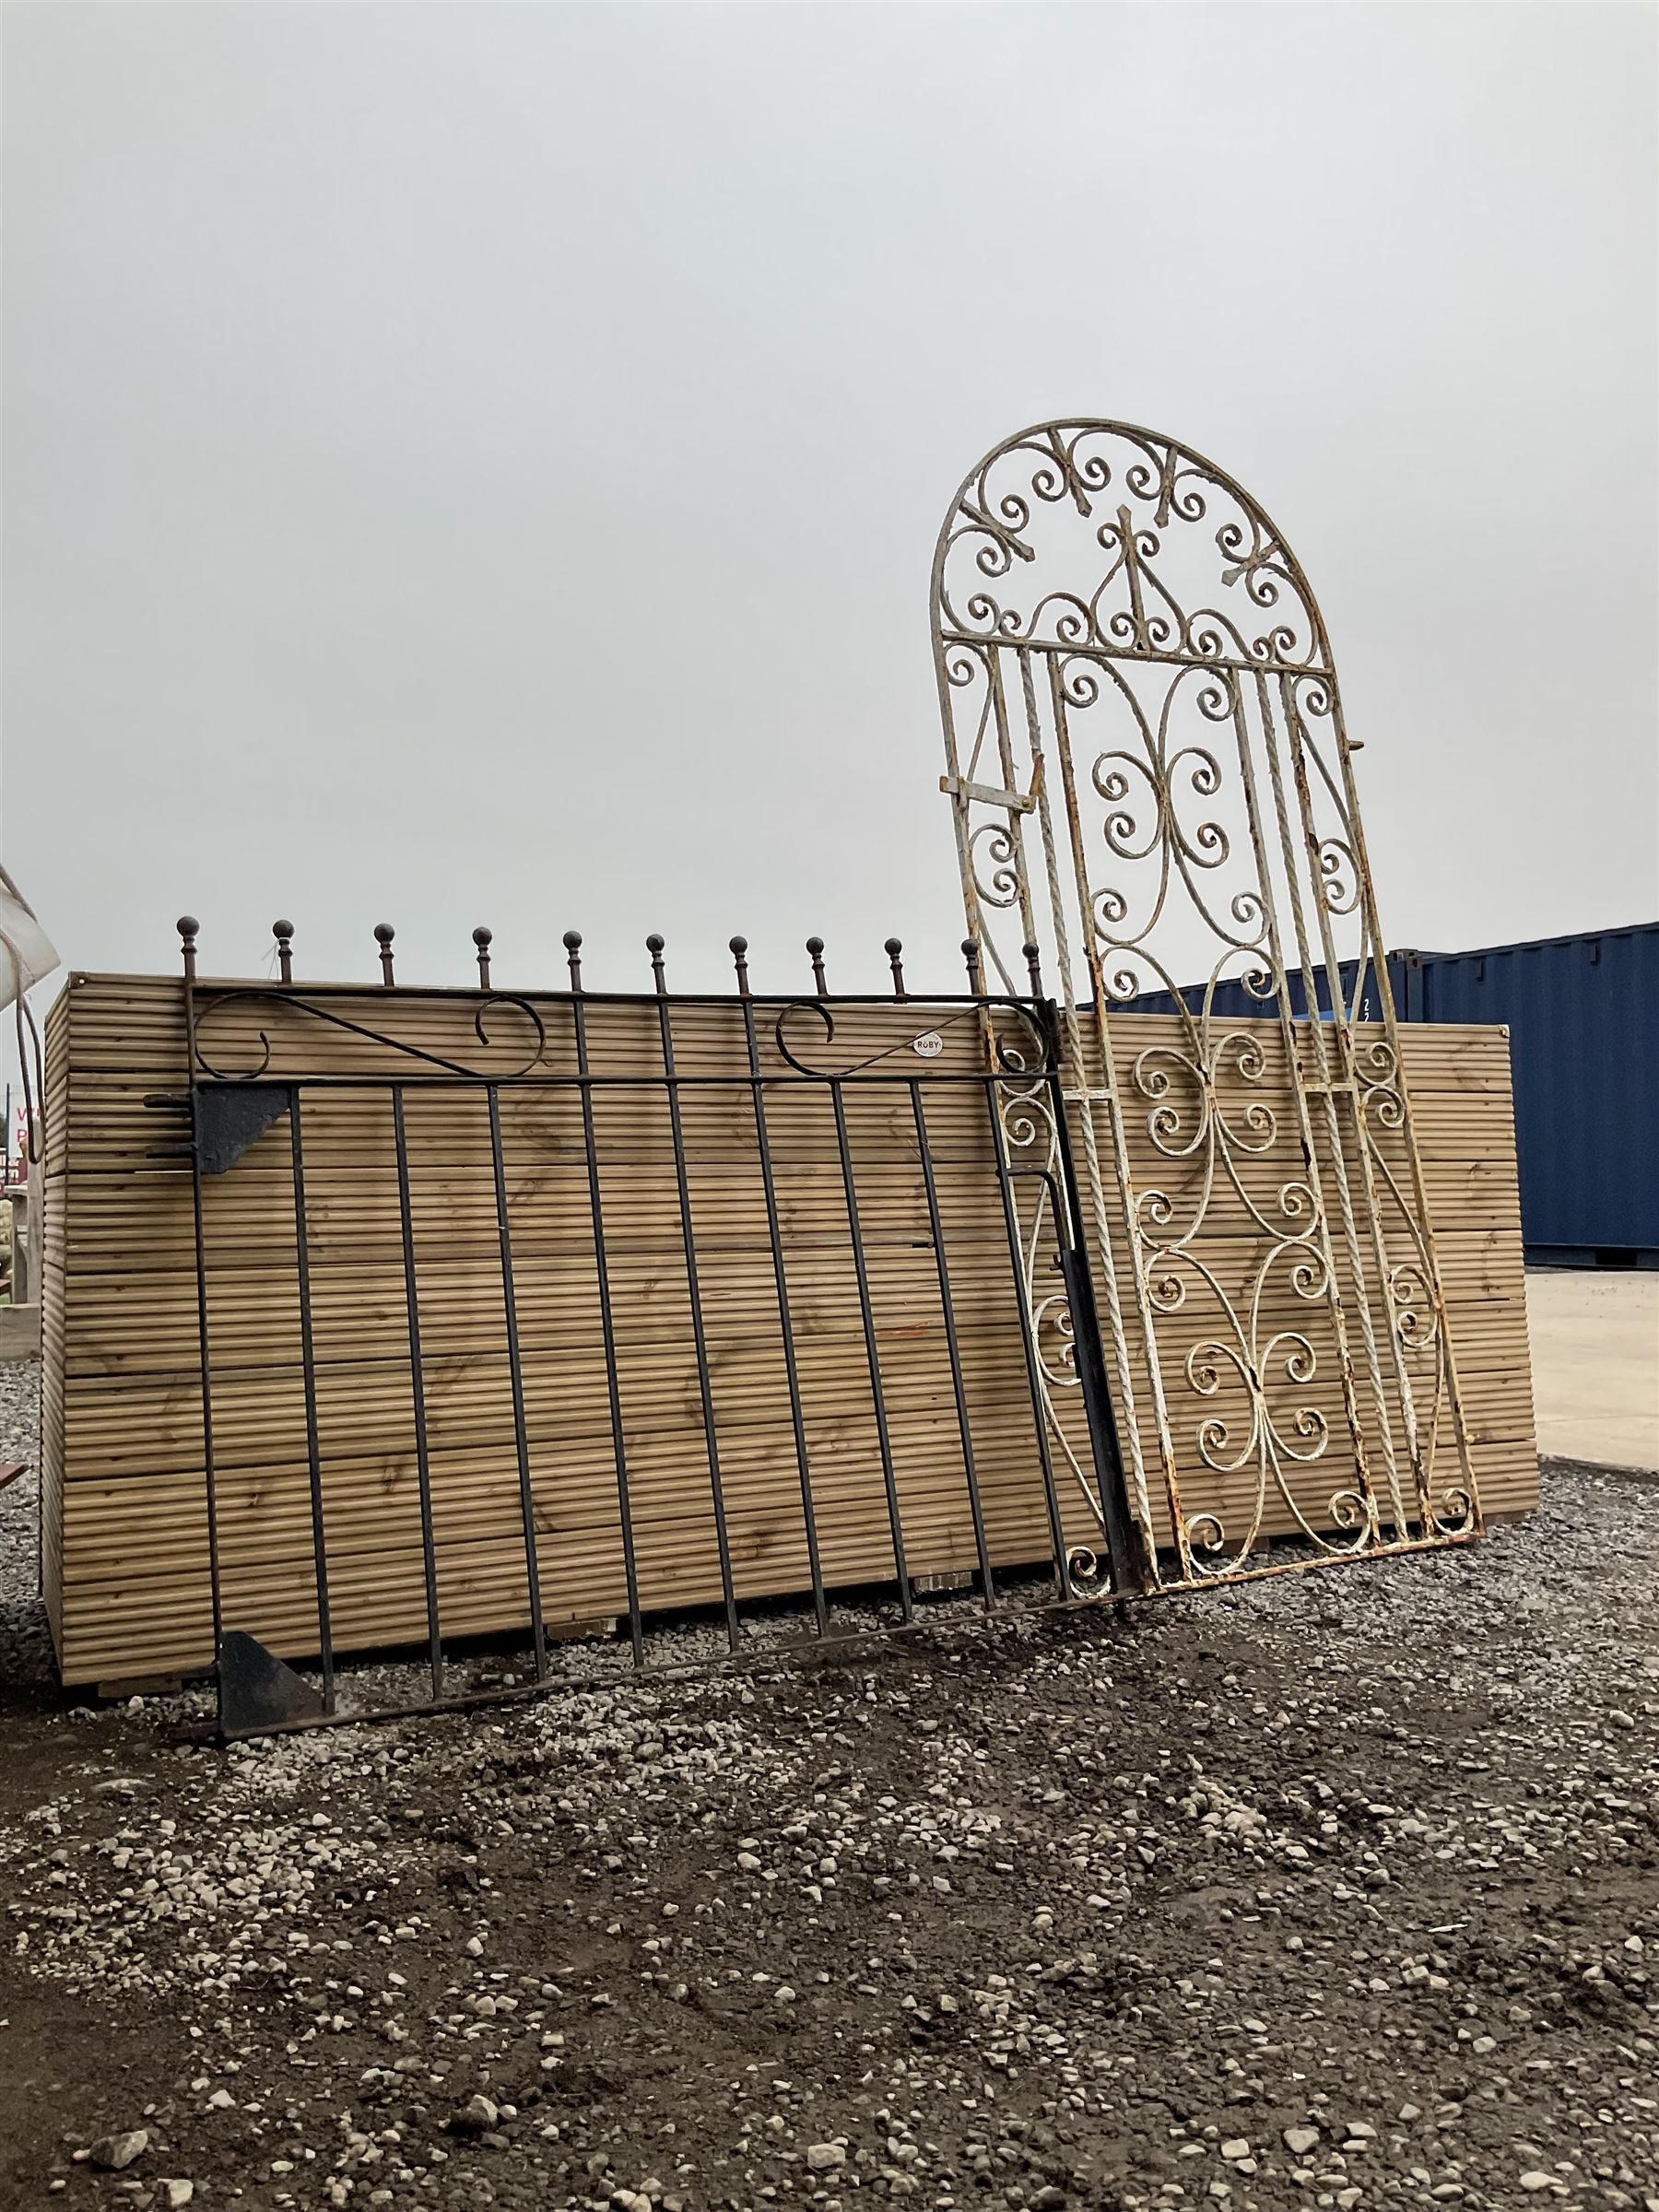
(775, 1307)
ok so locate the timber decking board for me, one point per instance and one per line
(123, 1516)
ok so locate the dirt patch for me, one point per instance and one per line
(1332, 1891)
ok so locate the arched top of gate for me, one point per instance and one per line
(1103, 538)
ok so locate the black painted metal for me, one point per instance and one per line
(602, 1285)
(235, 1104)
(307, 1362)
(785, 1326)
(230, 1117)
(958, 1384)
(257, 1691)
(423, 1473)
(1130, 1563)
(204, 1352)
(654, 945)
(516, 1372)
(889, 1481)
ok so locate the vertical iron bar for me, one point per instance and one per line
(1004, 1180)
(520, 1432)
(774, 1231)
(284, 933)
(1085, 1095)
(893, 950)
(1285, 1014)
(308, 1360)
(1329, 1081)
(482, 939)
(209, 1472)
(1303, 753)
(417, 1390)
(814, 953)
(1118, 1519)
(654, 945)
(947, 1309)
(607, 1326)
(383, 935)
(890, 1482)
(998, 686)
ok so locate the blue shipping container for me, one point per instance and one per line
(1582, 1013)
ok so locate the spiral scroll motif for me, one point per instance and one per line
(493, 1033)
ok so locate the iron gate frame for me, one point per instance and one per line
(1021, 1080)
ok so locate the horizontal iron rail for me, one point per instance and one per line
(386, 1079)
(918, 1002)
(839, 1642)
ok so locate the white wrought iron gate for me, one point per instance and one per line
(1151, 779)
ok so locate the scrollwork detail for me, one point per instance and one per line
(1001, 888)
(211, 1008)
(1161, 501)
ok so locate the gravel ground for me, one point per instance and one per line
(1336, 1890)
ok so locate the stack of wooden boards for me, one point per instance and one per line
(125, 1518)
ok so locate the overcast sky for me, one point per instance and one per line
(481, 464)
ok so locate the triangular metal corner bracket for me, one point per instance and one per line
(229, 1116)
(258, 1691)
